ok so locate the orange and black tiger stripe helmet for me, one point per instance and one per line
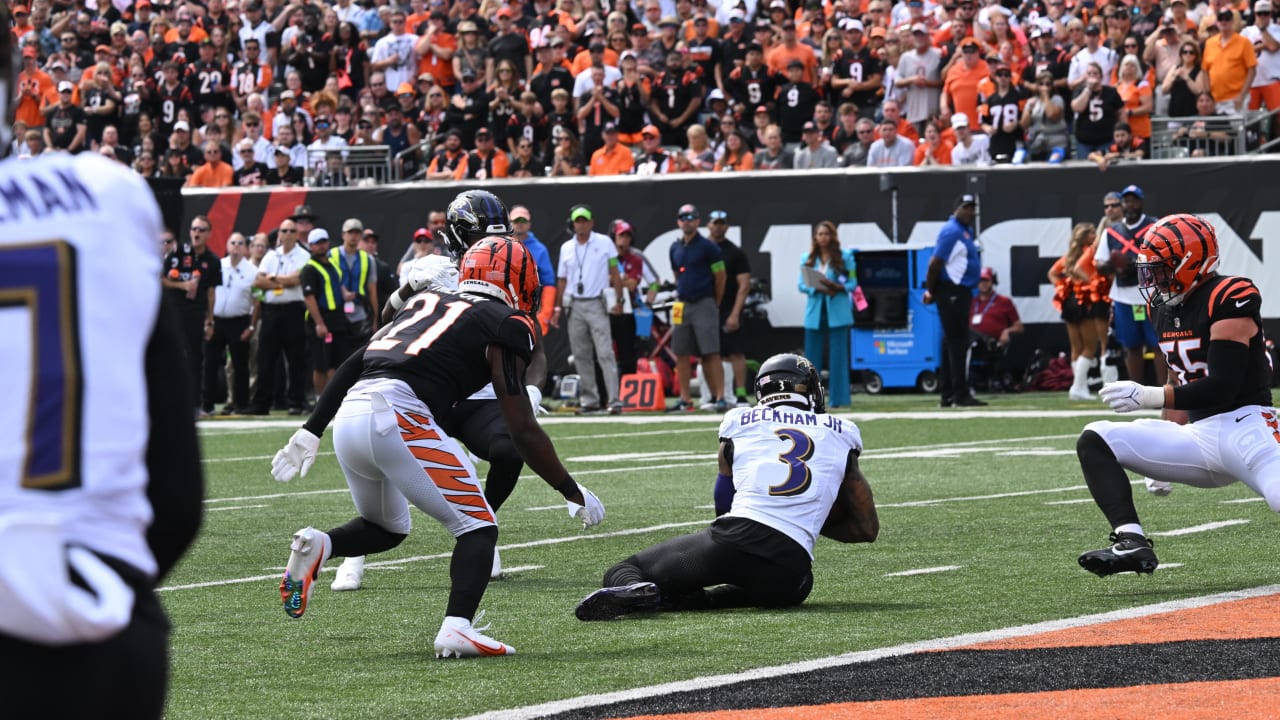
(1178, 252)
(503, 269)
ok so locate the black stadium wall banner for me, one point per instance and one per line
(1025, 217)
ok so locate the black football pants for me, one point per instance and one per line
(953, 303)
(123, 677)
(283, 336)
(684, 566)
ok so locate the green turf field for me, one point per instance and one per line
(997, 494)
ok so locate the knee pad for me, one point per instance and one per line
(790, 597)
(1092, 446)
(502, 450)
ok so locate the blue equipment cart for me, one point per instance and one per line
(897, 339)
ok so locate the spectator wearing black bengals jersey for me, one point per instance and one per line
(677, 97)
(1210, 332)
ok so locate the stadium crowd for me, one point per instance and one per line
(276, 92)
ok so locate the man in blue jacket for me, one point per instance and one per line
(953, 274)
(520, 230)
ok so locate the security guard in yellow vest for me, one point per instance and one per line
(330, 336)
(359, 273)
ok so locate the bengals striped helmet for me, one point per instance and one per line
(503, 269)
(1177, 254)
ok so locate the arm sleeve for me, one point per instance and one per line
(1228, 367)
(175, 486)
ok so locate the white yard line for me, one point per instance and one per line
(924, 571)
(274, 496)
(441, 556)
(1242, 500)
(969, 498)
(237, 507)
(1080, 501)
(247, 458)
(769, 673)
(1199, 528)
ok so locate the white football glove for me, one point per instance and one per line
(1159, 488)
(592, 513)
(296, 457)
(535, 399)
(1126, 396)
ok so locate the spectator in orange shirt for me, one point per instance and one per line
(214, 173)
(737, 156)
(934, 150)
(891, 110)
(1231, 63)
(790, 49)
(34, 84)
(613, 158)
(1137, 96)
(435, 51)
(485, 162)
(960, 83)
(596, 51)
(21, 23)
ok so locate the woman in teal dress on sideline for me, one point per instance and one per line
(828, 311)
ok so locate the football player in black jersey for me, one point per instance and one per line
(476, 421)
(1210, 329)
(439, 349)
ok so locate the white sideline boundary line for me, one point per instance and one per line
(214, 426)
(588, 701)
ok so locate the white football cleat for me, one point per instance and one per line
(350, 575)
(308, 551)
(1080, 394)
(1159, 488)
(495, 572)
(458, 639)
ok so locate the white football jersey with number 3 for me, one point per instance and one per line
(79, 295)
(788, 465)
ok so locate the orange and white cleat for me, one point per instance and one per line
(309, 550)
(458, 639)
